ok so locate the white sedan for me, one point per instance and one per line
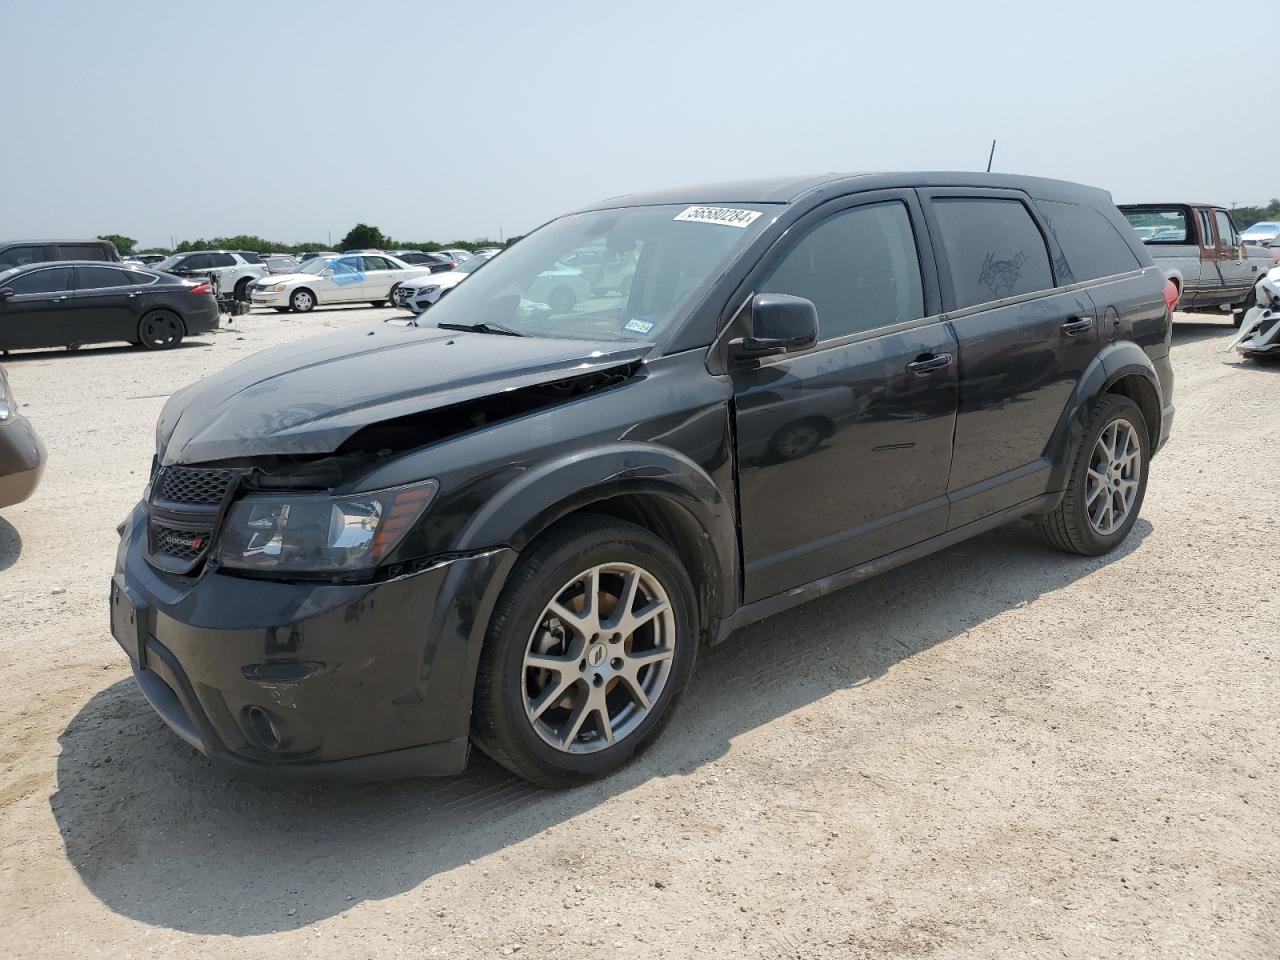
(419, 294)
(363, 278)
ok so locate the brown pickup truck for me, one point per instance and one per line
(1200, 250)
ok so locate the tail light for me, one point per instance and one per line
(202, 288)
(1171, 295)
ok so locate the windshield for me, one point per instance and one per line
(316, 265)
(625, 274)
(472, 265)
(1159, 224)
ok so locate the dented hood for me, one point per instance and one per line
(309, 396)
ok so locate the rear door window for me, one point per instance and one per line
(197, 261)
(222, 260)
(1092, 247)
(858, 266)
(51, 280)
(97, 278)
(993, 247)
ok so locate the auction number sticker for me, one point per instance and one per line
(727, 216)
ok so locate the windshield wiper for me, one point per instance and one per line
(481, 328)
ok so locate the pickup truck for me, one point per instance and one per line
(1200, 250)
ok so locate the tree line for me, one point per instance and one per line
(360, 237)
(1245, 217)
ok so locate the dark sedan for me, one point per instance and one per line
(73, 302)
(22, 455)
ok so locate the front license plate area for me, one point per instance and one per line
(128, 623)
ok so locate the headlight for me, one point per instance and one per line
(316, 533)
(277, 287)
(426, 290)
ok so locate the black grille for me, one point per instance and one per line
(187, 485)
(184, 545)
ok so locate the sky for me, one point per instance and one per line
(294, 121)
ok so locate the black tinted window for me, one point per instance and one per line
(93, 278)
(20, 256)
(197, 261)
(859, 267)
(52, 280)
(83, 251)
(136, 277)
(994, 249)
(250, 256)
(1092, 247)
(222, 260)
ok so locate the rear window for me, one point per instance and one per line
(83, 251)
(1093, 247)
(994, 249)
(1156, 225)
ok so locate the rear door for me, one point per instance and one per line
(103, 304)
(381, 275)
(1023, 344)
(843, 450)
(36, 315)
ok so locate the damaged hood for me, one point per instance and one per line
(308, 397)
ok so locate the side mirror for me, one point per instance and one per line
(5, 293)
(780, 323)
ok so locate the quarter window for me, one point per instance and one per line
(1206, 231)
(859, 267)
(1092, 246)
(52, 280)
(994, 249)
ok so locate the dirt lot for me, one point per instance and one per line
(997, 751)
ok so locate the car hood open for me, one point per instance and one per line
(310, 396)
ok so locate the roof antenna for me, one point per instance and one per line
(991, 155)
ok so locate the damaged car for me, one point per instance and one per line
(515, 526)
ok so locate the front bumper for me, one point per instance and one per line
(310, 680)
(22, 459)
(268, 298)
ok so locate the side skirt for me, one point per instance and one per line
(818, 588)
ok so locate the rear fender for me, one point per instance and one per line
(1112, 364)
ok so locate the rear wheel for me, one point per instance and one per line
(1107, 484)
(590, 647)
(160, 330)
(242, 289)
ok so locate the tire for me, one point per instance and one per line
(562, 300)
(391, 294)
(161, 330)
(302, 300)
(242, 289)
(1249, 302)
(1072, 527)
(507, 690)
(280, 309)
(377, 303)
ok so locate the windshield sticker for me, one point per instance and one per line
(727, 216)
(638, 326)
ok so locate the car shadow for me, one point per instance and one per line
(103, 350)
(1193, 331)
(160, 834)
(10, 544)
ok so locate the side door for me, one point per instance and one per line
(1237, 273)
(380, 276)
(843, 451)
(1023, 344)
(345, 281)
(1212, 289)
(34, 312)
(103, 304)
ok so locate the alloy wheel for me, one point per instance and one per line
(1115, 470)
(599, 657)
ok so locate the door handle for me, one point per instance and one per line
(57, 299)
(1072, 327)
(926, 365)
(136, 293)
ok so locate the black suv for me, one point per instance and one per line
(19, 253)
(515, 527)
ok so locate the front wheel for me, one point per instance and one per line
(592, 642)
(1108, 481)
(302, 301)
(160, 330)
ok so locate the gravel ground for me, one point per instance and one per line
(996, 751)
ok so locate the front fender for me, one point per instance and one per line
(1113, 363)
(538, 497)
